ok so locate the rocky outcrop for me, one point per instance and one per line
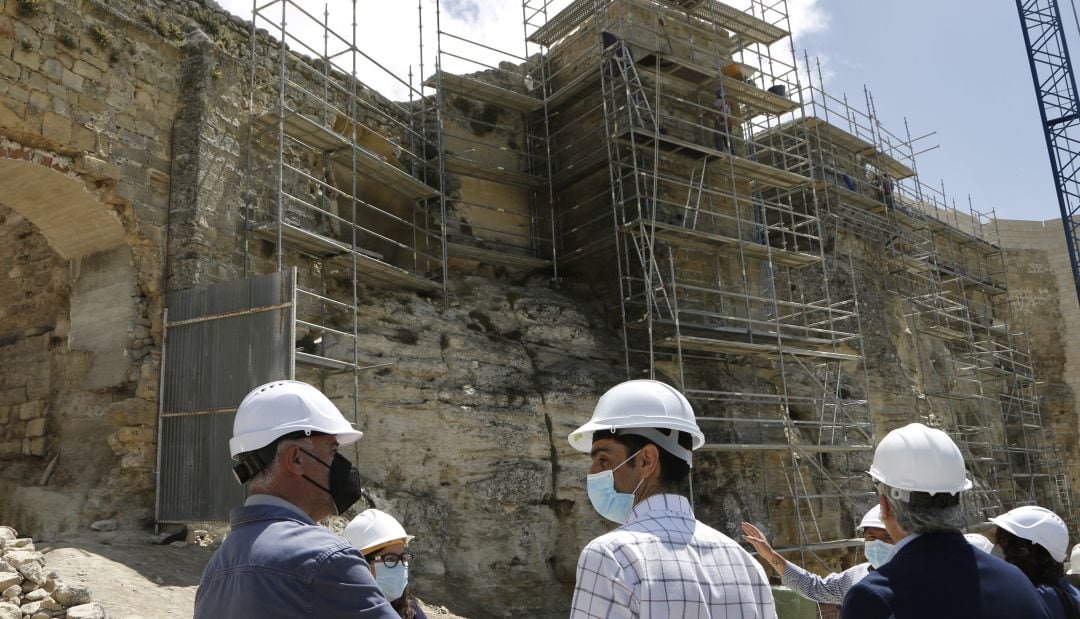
(29, 589)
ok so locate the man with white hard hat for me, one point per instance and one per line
(933, 572)
(275, 561)
(661, 561)
(830, 589)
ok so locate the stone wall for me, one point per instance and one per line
(1045, 307)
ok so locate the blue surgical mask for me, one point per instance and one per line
(613, 505)
(877, 552)
(392, 580)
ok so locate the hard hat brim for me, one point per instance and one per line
(582, 438)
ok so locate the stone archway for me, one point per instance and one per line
(49, 194)
(70, 374)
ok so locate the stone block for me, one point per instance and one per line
(5, 415)
(55, 127)
(83, 138)
(135, 434)
(10, 579)
(71, 80)
(10, 611)
(86, 70)
(34, 447)
(9, 68)
(53, 70)
(35, 428)
(96, 169)
(87, 611)
(31, 410)
(12, 114)
(13, 395)
(40, 100)
(15, 92)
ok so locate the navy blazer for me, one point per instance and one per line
(942, 576)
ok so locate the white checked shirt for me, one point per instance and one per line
(665, 564)
(828, 590)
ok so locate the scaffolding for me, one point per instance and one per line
(974, 373)
(664, 155)
(674, 210)
(338, 186)
(491, 157)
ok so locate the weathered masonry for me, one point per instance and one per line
(189, 207)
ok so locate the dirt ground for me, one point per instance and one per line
(134, 577)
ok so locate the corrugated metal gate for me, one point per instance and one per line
(220, 342)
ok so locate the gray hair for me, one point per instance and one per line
(914, 513)
(266, 475)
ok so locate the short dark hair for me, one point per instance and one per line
(1032, 559)
(673, 469)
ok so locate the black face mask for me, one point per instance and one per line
(344, 481)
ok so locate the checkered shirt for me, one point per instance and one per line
(828, 590)
(665, 564)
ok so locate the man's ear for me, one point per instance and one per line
(291, 461)
(649, 460)
(886, 512)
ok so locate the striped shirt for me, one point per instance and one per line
(828, 590)
(663, 563)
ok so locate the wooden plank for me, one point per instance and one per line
(720, 162)
(852, 198)
(340, 256)
(749, 28)
(758, 100)
(748, 348)
(492, 256)
(477, 89)
(564, 22)
(721, 447)
(498, 174)
(323, 138)
(707, 240)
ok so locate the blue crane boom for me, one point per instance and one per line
(1055, 87)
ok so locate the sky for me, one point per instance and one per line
(956, 70)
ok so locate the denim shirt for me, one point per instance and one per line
(276, 562)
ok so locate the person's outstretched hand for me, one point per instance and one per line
(757, 539)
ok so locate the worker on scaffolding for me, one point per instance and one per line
(276, 562)
(660, 562)
(832, 588)
(933, 572)
(723, 122)
(1035, 540)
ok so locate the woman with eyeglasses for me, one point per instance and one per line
(382, 539)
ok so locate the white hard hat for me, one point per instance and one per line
(640, 405)
(372, 529)
(916, 458)
(981, 542)
(1039, 526)
(1074, 561)
(283, 407)
(872, 519)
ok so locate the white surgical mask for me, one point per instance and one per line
(877, 552)
(609, 503)
(392, 580)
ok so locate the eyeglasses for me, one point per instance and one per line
(391, 559)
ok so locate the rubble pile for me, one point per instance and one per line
(28, 590)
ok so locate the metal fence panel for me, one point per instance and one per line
(221, 341)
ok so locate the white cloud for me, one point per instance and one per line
(807, 17)
(389, 35)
